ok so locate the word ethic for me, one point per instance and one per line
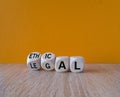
(48, 61)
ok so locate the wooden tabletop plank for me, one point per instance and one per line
(97, 80)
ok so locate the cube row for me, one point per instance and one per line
(48, 61)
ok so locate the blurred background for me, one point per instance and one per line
(89, 28)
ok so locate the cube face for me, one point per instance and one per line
(62, 64)
(33, 56)
(33, 60)
(48, 56)
(48, 61)
(76, 64)
(34, 65)
(48, 65)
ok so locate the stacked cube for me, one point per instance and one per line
(48, 61)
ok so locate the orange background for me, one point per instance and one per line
(90, 28)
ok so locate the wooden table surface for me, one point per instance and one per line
(97, 80)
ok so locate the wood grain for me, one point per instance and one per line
(97, 80)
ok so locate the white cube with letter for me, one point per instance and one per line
(34, 61)
(48, 61)
(62, 64)
(76, 64)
